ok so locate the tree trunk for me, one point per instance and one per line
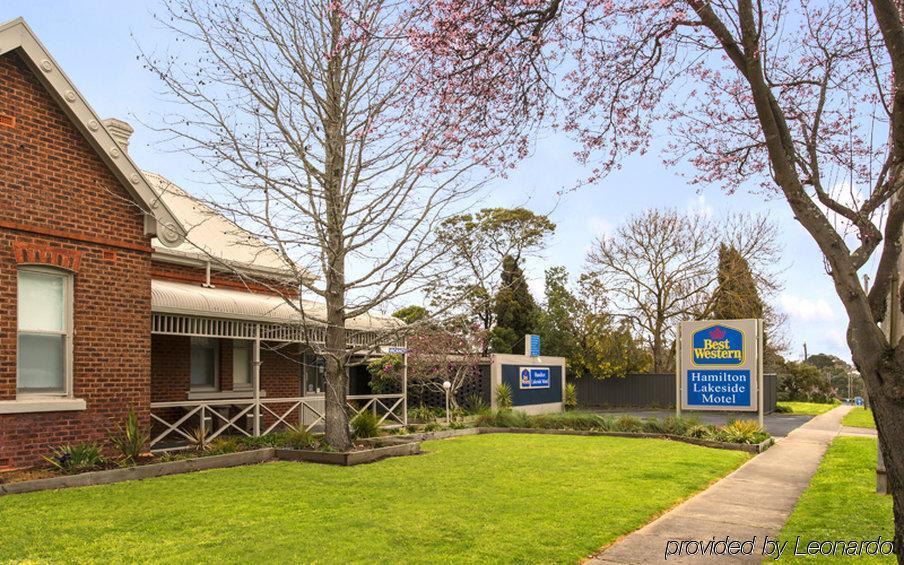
(336, 431)
(657, 352)
(890, 421)
(882, 373)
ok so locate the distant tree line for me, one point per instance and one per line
(619, 315)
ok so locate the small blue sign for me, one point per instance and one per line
(534, 345)
(533, 377)
(718, 388)
(717, 345)
(858, 401)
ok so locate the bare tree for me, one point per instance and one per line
(660, 267)
(310, 116)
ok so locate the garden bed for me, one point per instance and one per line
(748, 447)
(372, 450)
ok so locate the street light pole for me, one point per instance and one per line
(447, 386)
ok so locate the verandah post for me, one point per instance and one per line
(256, 377)
(405, 385)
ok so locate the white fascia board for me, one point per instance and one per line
(159, 220)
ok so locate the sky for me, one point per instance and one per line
(96, 43)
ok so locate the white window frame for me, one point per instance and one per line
(68, 334)
(216, 367)
(243, 344)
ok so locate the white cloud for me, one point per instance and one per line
(806, 309)
(699, 205)
(601, 227)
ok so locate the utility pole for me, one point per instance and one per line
(805, 352)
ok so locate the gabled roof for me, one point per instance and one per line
(159, 221)
(210, 236)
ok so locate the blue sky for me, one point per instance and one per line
(93, 42)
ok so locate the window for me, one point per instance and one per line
(314, 368)
(45, 326)
(205, 363)
(241, 364)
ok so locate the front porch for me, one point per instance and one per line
(212, 377)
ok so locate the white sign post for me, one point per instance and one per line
(719, 366)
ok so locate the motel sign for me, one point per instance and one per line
(719, 365)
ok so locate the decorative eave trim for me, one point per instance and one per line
(159, 221)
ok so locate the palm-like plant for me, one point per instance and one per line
(130, 439)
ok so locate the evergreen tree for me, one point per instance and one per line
(736, 296)
(411, 314)
(515, 309)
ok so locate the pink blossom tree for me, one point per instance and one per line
(798, 98)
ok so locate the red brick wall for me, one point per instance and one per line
(56, 193)
(171, 373)
(171, 369)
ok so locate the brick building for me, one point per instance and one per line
(120, 291)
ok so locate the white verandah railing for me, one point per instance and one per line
(180, 419)
(189, 427)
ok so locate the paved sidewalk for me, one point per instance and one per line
(754, 500)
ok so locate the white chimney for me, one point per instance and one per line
(120, 130)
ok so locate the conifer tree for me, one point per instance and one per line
(736, 296)
(515, 309)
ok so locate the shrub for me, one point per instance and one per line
(475, 404)
(742, 431)
(423, 414)
(365, 424)
(606, 424)
(679, 426)
(653, 426)
(568, 421)
(130, 439)
(171, 456)
(197, 437)
(701, 431)
(783, 409)
(222, 446)
(458, 425)
(300, 439)
(628, 423)
(275, 439)
(503, 396)
(571, 396)
(433, 427)
(76, 458)
(506, 419)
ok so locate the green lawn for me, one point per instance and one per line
(841, 502)
(859, 418)
(811, 408)
(487, 498)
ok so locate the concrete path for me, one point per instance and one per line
(753, 501)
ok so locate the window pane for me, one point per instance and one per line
(41, 301)
(41, 360)
(203, 362)
(241, 364)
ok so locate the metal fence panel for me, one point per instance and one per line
(646, 391)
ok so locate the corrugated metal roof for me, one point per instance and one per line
(182, 298)
(210, 235)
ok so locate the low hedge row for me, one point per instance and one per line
(736, 431)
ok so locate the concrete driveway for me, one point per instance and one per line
(778, 425)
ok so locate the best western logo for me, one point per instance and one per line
(718, 345)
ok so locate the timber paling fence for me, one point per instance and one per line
(646, 390)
